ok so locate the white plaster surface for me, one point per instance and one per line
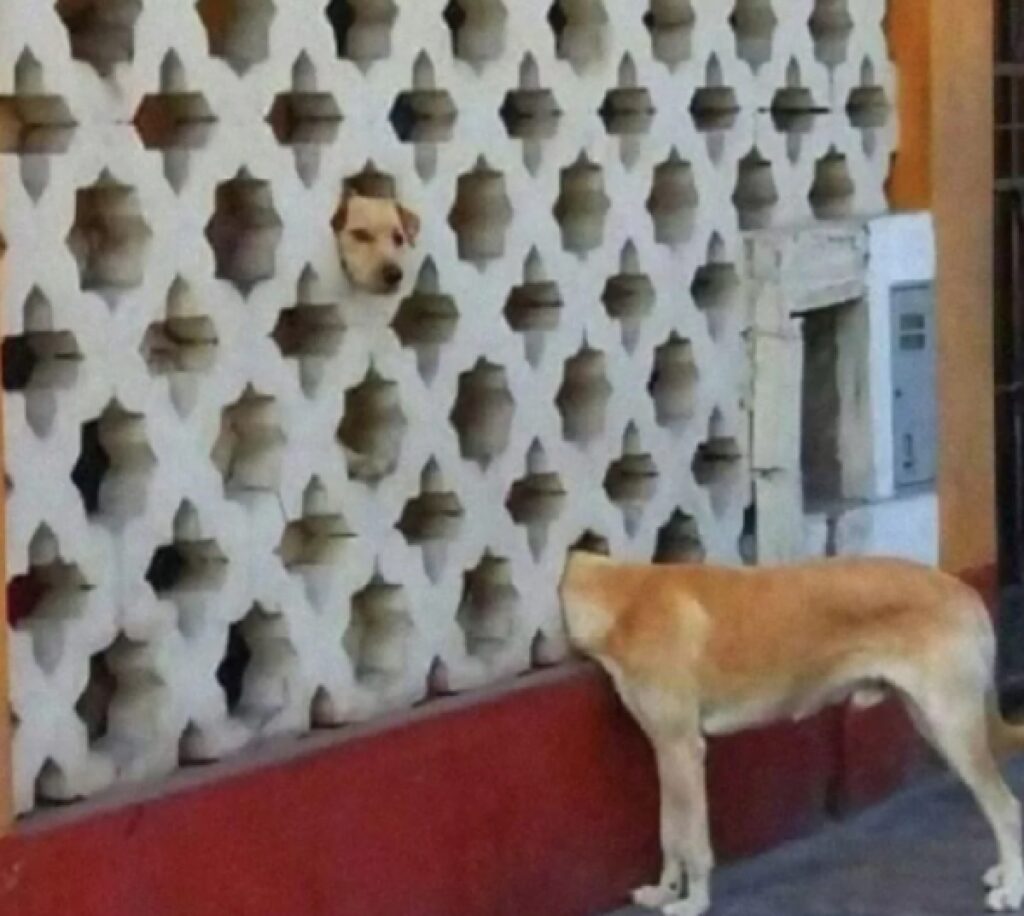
(228, 447)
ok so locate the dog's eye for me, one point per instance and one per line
(362, 235)
(398, 239)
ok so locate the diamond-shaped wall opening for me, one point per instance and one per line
(673, 201)
(756, 195)
(674, 383)
(372, 430)
(628, 109)
(531, 111)
(715, 106)
(378, 636)
(483, 413)
(488, 614)
(716, 291)
(34, 124)
(45, 599)
(244, 232)
(794, 111)
(717, 467)
(481, 214)
(545, 652)
(33, 120)
(238, 31)
(439, 680)
(671, 24)
(583, 397)
(868, 106)
(427, 320)
(40, 362)
(235, 664)
(305, 118)
(174, 120)
(582, 207)
(592, 542)
(431, 520)
(100, 32)
(629, 296)
(125, 699)
(478, 29)
(249, 450)
(372, 182)
(679, 540)
(259, 671)
(352, 233)
(537, 499)
(115, 464)
(534, 308)
(632, 480)
(581, 29)
(313, 546)
(93, 706)
(189, 571)
(832, 194)
(50, 787)
(424, 113)
(754, 24)
(183, 346)
(362, 29)
(310, 333)
(831, 26)
(109, 238)
(319, 537)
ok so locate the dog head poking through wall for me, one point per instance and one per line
(374, 235)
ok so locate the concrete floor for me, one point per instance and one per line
(921, 854)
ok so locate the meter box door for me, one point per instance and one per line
(915, 406)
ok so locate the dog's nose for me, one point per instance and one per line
(392, 275)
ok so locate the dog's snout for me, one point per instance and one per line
(392, 275)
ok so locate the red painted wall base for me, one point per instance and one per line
(534, 800)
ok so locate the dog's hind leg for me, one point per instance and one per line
(685, 840)
(953, 717)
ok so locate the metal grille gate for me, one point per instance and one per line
(1009, 334)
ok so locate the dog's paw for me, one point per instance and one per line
(654, 896)
(1007, 894)
(993, 877)
(686, 908)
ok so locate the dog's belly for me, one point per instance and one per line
(724, 718)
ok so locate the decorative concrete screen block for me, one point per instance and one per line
(247, 500)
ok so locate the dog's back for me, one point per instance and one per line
(765, 635)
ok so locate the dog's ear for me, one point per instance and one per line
(341, 215)
(410, 224)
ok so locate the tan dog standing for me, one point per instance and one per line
(374, 234)
(703, 650)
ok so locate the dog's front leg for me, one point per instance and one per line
(685, 839)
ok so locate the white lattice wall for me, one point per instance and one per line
(245, 500)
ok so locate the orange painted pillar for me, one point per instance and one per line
(943, 49)
(909, 31)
